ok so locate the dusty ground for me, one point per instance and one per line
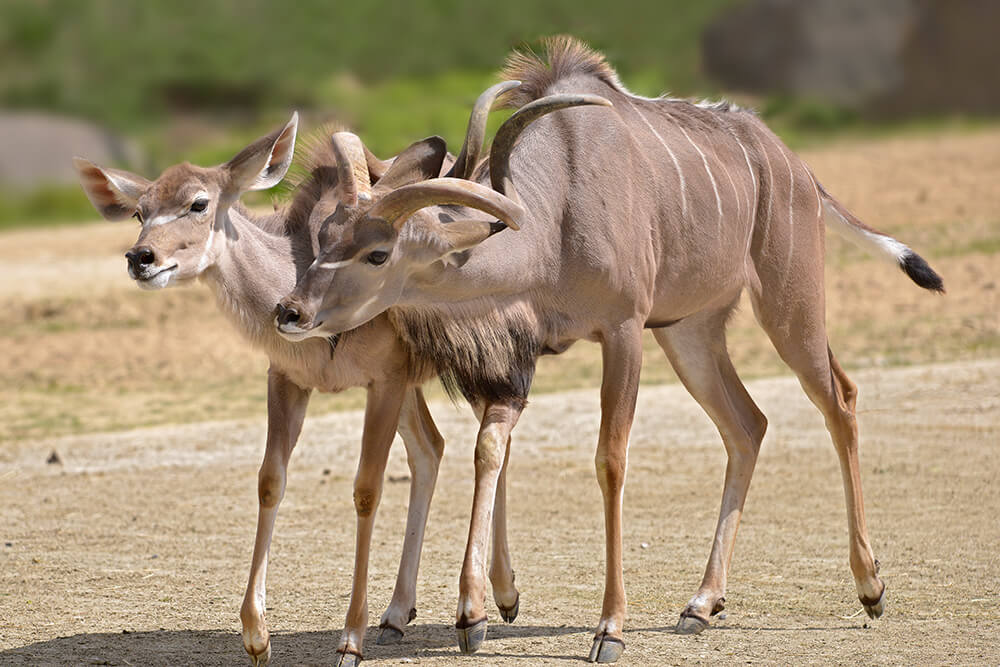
(135, 550)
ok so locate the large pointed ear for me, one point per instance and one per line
(419, 162)
(113, 192)
(263, 164)
(464, 234)
(376, 167)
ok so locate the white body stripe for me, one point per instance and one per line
(677, 166)
(704, 161)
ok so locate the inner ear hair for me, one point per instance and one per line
(113, 192)
(263, 164)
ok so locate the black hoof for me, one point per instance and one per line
(606, 649)
(388, 635)
(877, 608)
(509, 614)
(691, 624)
(347, 660)
(472, 637)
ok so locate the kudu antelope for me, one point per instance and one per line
(194, 227)
(653, 214)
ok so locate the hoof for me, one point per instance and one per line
(472, 637)
(606, 649)
(877, 608)
(690, 624)
(347, 659)
(262, 658)
(388, 635)
(509, 614)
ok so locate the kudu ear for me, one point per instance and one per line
(376, 168)
(461, 235)
(263, 164)
(113, 192)
(420, 162)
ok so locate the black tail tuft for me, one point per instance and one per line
(920, 272)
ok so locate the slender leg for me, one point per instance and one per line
(381, 417)
(622, 359)
(797, 329)
(494, 434)
(424, 448)
(505, 594)
(286, 408)
(696, 348)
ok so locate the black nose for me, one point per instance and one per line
(287, 315)
(140, 257)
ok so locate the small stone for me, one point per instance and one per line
(53, 458)
(154, 556)
(326, 471)
(8, 544)
(644, 545)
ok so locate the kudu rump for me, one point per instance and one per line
(194, 227)
(651, 214)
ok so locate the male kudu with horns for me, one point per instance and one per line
(194, 227)
(654, 214)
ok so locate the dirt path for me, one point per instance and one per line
(135, 550)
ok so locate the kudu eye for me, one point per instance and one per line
(199, 205)
(377, 257)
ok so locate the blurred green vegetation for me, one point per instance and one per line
(391, 71)
(130, 64)
(198, 80)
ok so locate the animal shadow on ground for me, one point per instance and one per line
(224, 647)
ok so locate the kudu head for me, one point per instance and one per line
(409, 221)
(185, 212)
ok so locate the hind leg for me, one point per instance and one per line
(696, 348)
(793, 318)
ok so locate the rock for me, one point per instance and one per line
(54, 458)
(38, 149)
(892, 57)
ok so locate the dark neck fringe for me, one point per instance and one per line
(484, 360)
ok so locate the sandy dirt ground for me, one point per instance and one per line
(134, 550)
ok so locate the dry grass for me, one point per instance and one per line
(84, 351)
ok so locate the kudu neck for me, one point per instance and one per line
(253, 270)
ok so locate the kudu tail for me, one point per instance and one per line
(847, 225)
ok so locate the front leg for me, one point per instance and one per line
(491, 444)
(622, 358)
(424, 448)
(286, 408)
(381, 417)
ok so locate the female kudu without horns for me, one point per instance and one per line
(194, 227)
(655, 213)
